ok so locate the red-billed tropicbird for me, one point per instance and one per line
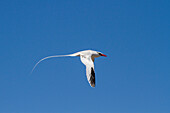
(87, 57)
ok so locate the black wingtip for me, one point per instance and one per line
(92, 85)
(92, 78)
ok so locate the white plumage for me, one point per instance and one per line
(87, 58)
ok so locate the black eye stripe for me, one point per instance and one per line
(99, 53)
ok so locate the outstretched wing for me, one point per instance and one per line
(90, 73)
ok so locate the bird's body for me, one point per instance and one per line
(87, 57)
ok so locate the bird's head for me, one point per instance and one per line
(101, 54)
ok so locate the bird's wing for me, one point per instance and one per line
(90, 73)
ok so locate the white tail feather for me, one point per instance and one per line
(50, 57)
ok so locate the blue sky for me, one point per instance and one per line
(134, 78)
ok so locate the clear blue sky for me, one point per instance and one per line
(134, 34)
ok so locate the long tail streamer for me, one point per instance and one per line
(48, 58)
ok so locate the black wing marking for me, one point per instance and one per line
(92, 78)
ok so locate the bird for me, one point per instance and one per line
(87, 57)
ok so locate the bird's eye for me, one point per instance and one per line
(99, 53)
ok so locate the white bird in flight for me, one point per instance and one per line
(87, 58)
